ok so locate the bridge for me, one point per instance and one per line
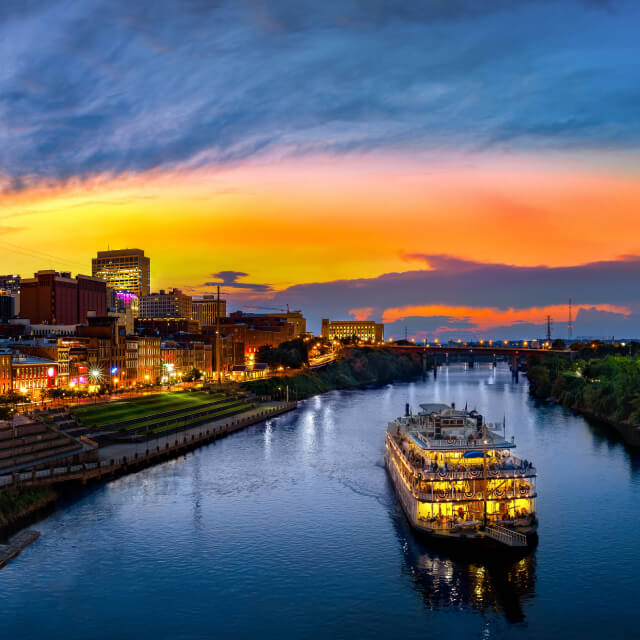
(486, 350)
(469, 352)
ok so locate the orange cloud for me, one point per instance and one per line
(491, 317)
(319, 219)
(361, 314)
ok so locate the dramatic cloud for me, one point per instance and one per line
(107, 87)
(229, 280)
(456, 294)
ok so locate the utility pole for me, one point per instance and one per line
(570, 323)
(218, 337)
(549, 330)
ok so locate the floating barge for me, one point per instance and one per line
(457, 480)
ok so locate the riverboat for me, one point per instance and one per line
(458, 480)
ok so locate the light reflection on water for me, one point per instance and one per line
(291, 528)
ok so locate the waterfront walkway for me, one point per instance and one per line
(121, 458)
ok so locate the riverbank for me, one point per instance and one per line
(359, 367)
(606, 390)
(19, 508)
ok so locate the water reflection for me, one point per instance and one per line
(460, 579)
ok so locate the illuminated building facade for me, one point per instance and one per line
(32, 375)
(365, 330)
(10, 284)
(5, 371)
(124, 270)
(55, 351)
(149, 360)
(205, 310)
(180, 358)
(127, 300)
(169, 304)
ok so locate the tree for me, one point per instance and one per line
(193, 375)
(559, 344)
(292, 353)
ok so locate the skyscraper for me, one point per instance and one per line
(123, 270)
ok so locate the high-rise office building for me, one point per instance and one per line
(123, 270)
(205, 310)
(166, 304)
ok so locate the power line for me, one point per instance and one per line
(40, 255)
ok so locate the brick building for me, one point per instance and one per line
(57, 298)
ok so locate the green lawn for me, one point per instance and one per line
(220, 408)
(217, 416)
(141, 407)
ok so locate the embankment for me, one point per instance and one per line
(18, 508)
(606, 390)
(358, 367)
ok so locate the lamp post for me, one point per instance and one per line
(95, 375)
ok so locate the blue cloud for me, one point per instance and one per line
(456, 282)
(117, 86)
(229, 280)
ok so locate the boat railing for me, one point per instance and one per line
(469, 474)
(465, 496)
(507, 536)
(452, 443)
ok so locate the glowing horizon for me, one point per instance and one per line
(303, 168)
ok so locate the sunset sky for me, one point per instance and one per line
(456, 168)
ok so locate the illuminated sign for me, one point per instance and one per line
(114, 370)
(51, 372)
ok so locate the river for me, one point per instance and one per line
(290, 528)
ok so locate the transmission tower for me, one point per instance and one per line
(570, 323)
(549, 330)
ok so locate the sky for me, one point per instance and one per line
(456, 169)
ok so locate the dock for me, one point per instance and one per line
(16, 545)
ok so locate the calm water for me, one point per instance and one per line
(290, 528)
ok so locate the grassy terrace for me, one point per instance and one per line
(143, 407)
(216, 416)
(223, 407)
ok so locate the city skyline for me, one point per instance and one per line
(469, 191)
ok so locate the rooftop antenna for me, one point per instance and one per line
(570, 323)
(405, 332)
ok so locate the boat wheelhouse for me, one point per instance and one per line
(457, 478)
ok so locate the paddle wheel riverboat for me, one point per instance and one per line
(457, 479)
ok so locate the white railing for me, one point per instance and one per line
(492, 474)
(506, 536)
